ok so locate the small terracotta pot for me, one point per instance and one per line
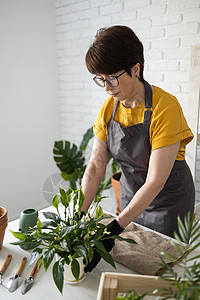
(3, 224)
(116, 185)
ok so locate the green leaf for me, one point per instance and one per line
(39, 224)
(19, 235)
(120, 238)
(52, 216)
(98, 212)
(107, 257)
(86, 138)
(55, 201)
(81, 251)
(99, 245)
(81, 198)
(75, 268)
(48, 257)
(58, 275)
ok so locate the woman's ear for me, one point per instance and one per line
(135, 70)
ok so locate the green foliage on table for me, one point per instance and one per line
(187, 286)
(130, 295)
(65, 235)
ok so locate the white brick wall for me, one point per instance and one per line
(167, 29)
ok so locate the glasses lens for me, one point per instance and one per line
(112, 81)
(99, 81)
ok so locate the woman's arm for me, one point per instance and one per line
(160, 165)
(94, 172)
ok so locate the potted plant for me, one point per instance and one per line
(70, 159)
(68, 236)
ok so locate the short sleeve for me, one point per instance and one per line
(168, 124)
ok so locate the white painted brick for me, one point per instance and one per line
(153, 55)
(182, 29)
(153, 10)
(64, 61)
(152, 33)
(80, 24)
(63, 27)
(166, 19)
(72, 34)
(63, 10)
(192, 16)
(70, 18)
(118, 18)
(157, 65)
(81, 5)
(97, 3)
(171, 87)
(185, 65)
(66, 2)
(67, 108)
(154, 77)
(181, 5)
(179, 53)
(142, 24)
(177, 77)
(172, 65)
(166, 43)
(185, 87)
(111, 9)
(132, 5)
(89, 13)
(191, 40)
(60, 53)
(65, 78)
(101, 21)
(63, 44)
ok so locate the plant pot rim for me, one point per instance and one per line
(3, 215)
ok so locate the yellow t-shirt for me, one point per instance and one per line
(168, 124)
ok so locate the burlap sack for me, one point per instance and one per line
(143, 256)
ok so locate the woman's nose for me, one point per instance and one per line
(107, 86)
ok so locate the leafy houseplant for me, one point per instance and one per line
(70, 159)
(187, 286)
(68, 236)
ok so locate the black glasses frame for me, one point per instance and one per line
(107, 80)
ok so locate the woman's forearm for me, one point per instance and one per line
(94, 172)
(90, 183)
(139, 203)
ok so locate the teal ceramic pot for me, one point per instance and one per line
(28, 218)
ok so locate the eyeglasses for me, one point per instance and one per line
(112, 80)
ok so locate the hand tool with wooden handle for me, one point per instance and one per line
(30, 280)
(14, 282)
(4, 266)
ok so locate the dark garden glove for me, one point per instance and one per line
(115, 229)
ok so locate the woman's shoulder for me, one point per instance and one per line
(162, 99)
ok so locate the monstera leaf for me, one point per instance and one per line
(70, 160)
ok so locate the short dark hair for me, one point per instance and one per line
(114, 49)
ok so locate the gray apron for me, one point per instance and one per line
(130, 147)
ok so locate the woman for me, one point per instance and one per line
(144, 129)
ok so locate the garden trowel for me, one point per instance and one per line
(4, 266)
(15, 282)
(30, 280)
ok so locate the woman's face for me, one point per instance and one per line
(127, 88)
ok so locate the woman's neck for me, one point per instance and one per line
(137, 96)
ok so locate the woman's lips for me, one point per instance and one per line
(113, 95)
